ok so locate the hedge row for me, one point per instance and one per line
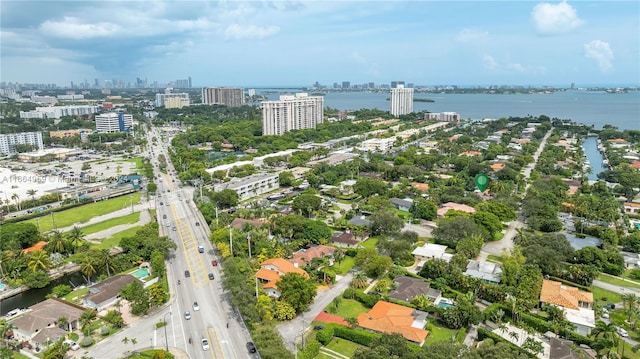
(484, 334)
(359, 336)
(311, 350)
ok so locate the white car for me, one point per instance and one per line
(622, 332)
(196, 307)
(73, 345)
(205, 344)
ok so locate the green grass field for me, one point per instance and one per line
(115, 239)
(370, 243)
(617, 281)
(78, 294)
(439, 333)
(83, 213)
(604, 296)
(350, 308)
(346, 264)
(343, 346)
(101, 226)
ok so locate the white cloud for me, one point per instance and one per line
(489, 62)
(235, 31)
(555, 18)
(471, 35)
(601, 52)
(72, 28)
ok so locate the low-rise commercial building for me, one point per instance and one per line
(251, 186)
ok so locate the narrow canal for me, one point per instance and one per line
(33, 296)
(590, 148)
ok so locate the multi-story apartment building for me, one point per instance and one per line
(227, 96)
(251, 186)
(176, 102)
(291, 113)
(401, 100)
(113, 122)
(442, 116)
(59, 111)
(162, 97)
(8, 141)
(379, 145)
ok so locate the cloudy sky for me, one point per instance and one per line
(265, 43)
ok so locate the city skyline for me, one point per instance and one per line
(298, 43)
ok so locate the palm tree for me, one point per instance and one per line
(606, 336)
(6, 203)
(32, 193)
(87, 268)
(630, 302)
(38, 260)
(360, 280)
(85, 319)
(107, 261)
(15, 197)
(76, 237)
(514, 335)
(56, 242)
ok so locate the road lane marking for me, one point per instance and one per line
(190, 247)
(215, 344)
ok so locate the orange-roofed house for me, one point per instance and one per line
(330, 318)
(632, 208)
(270, 272)
(635, 165)
(497, 166)
(36, 247)
(420, 186)
(387, 317)
(305, 256)
(446, 207)
(576, 303)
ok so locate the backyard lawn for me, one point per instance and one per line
(370, 243)
(83, 213)
(350, 308)
(604, 296)
(78, 294)
(439, 333)
(343, 346)
(100, 226)
(346, 264)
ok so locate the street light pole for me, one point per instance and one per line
(166, 341)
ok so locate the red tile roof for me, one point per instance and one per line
(387, 317)
(565, 296)
(36, 247)
(330, 318)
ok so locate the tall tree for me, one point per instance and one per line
(38, 260)
(32, 193)
(297, 290)
(76, 237)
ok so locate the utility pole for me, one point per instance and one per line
(231, 241)
(217, 223)
(131, 200)
(256, 278)
(249, 243)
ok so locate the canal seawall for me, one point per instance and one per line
(54, 274)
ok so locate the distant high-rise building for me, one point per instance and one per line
(291, 113)
(401, 100)
(394, 84)
(372, 85)
(346, 84)
(227, 96)
(176, 102)
(189, 81)
(251, 92)
(113, 122)
(410, 85)
(9, 141)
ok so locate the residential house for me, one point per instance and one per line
(446, 207)
(566, 349)
(360, 221)
(409, 288)
(305, 256)
(107, 292)
(41, 323)
(241, 224)
(387, 317)
(631, 260)
(270, 272)
(402, 204)
(346, 187)
(487, 271)
(429, 252)
(577, 304)
(420, 186)
(632, 208)
(36, 247)
(344, 239)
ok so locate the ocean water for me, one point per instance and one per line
(587, 107)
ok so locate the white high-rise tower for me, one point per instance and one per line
(401, 100)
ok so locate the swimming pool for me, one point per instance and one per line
(140, 273)
(444, 305)
(2, 286)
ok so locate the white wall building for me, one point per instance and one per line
(176, 102)
(379, 145)
(401, 100)
(291, 113)
(113, 122)
(59, 111)
(8, 141)
(251, 186)
(442, 116)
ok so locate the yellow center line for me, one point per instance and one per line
(216, 347)
(190, 247)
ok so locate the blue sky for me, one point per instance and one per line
(263, 43)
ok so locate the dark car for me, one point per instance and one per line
(187, 274)
(197, 224)
(211, 277)
(251, 347)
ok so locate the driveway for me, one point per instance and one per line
(291, 331)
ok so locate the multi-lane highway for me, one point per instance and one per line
(189, 272)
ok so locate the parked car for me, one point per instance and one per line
(621, 332)
(72, 345)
